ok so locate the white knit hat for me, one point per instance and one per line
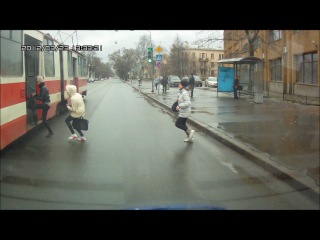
(39, 79)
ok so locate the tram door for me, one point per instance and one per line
(31, 72)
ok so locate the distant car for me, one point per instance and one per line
(173, 81)
(91, 79)
(211, 82)
(197, 81)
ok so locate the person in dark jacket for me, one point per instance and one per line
(164, 84)
(191, 84)
(45, 105)
(235, 86)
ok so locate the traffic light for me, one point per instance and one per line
(150, 55)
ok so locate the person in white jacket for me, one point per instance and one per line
(77, 109)
(184, 109)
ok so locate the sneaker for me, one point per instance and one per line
(191, 134)
(82, 139)
(49, 135)
(73, 136)
(188, 140)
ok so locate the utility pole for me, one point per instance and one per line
(151, 63)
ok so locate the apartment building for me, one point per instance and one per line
(204, 61)
(290, 61)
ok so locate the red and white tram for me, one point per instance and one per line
(26, 54)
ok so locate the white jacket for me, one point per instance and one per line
(77, 107)
(184, 103)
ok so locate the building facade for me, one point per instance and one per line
(290, 66)
(204, 61)
(201, 62)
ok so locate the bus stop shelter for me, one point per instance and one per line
(250, 70)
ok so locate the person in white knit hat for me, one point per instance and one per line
(77, 109)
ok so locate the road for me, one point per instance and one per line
(134, 157)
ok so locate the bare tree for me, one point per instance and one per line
(123, 61)
(252, 36)
(211, 38)
(141, 54)
(179, 59)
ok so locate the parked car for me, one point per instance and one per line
(197, 81)
(211, 82)
(173, 81)
(91, 79)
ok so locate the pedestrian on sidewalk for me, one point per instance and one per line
(235, 87)
(44, 96)
(191, 84)
(164, 84)
(184, 109)
(156, 82)
(77, 109)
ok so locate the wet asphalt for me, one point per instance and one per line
(280, 136)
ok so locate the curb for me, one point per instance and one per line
(295, 179)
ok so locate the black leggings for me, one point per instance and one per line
(68, 122)
(181, 123)
(45, 109)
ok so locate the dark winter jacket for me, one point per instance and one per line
(164, 80)
(191, 80)
(44, 94)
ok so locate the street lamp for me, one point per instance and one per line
(151, 64)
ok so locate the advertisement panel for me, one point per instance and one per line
(225, 79)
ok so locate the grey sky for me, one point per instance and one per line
(112, 40)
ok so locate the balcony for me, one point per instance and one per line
(203, 59)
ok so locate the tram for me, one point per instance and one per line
(26, 54)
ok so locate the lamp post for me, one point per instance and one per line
(151, 64)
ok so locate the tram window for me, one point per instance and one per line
(70, 72)
(49, 59)
(16, 35)
(5, 33)
(49, 63)
(82, 67)
(11, 54)
(31, 67)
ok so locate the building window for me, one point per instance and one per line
(212, 55)
(48, 59)
(274, 35)
(212, 64)
(307, 68)
(276, 69)
(11, 54)
(212, 73)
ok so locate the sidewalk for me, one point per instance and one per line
(282, 137)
